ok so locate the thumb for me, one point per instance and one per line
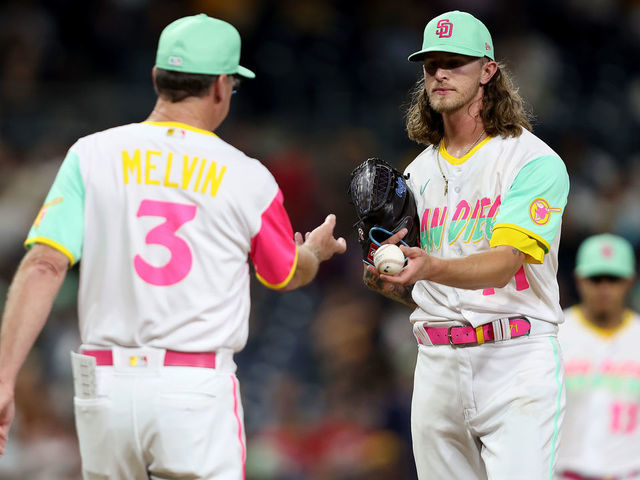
(331, 219)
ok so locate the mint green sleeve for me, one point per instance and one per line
(535, 202)
(60, 221)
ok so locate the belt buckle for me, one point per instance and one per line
(459, 345)
(449, 336)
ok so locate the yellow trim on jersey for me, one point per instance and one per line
(180, 125)
(52, 243)
(278, 286)
(459, 161)
(606, 333)
(542, 241)
(520, 240)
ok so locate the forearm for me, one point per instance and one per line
(306, 269)
(399, 293)
(29, 302)
(491, 269)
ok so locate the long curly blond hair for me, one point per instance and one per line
(503, 113)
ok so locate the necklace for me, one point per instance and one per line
(446, 180)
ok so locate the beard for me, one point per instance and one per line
(452, 101)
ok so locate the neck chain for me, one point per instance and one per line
(446, 180)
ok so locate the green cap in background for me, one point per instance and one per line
(605, 254)
(456, 32)
(201, 44)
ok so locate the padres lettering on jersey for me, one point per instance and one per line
(501, 185)
(601, 430)
(168, 215)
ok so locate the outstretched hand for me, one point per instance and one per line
(321, 240)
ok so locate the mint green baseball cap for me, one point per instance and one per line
(455, 32)
(605, 254)
(201, 44)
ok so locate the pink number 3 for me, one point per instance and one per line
(179, 264)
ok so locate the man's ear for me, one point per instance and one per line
(489, 69)
(153, 78)
(218, 88)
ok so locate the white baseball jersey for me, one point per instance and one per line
(165, 217)
(601, 431)
(514, 186)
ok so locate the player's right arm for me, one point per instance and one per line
(29, 301)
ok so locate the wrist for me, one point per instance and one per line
(7, 385)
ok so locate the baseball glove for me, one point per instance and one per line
(383, 204)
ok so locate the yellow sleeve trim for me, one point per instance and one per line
(522, 241)
(529, 233)
(281, 285)
(46, 241)
(180, 125)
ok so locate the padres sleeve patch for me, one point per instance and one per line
(536, 200)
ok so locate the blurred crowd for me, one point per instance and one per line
(327, 373)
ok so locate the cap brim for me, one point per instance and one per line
(594, 270)
(419, 56)
(245, 72)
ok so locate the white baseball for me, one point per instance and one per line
(388, 259)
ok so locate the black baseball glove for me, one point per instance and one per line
(383, 204)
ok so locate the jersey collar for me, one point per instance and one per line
(459, 161)
(184, 126)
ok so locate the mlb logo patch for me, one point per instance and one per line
(175, 132)
(138, 361)
(175, 61)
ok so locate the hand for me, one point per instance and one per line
(321, 240)
(396, 237)
(7, 412)
(417, 268)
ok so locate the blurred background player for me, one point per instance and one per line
(599, 339)
(488, 392)
(165, 216)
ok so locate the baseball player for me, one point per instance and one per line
(164, 215)
(488, 391)
(599, 340)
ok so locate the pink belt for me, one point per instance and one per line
(171, 358)
(577, 476)
(468, 335)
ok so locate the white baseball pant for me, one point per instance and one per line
(151, 422)
(490, 411)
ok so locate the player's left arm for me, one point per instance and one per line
(284, 261)
(526, 225)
